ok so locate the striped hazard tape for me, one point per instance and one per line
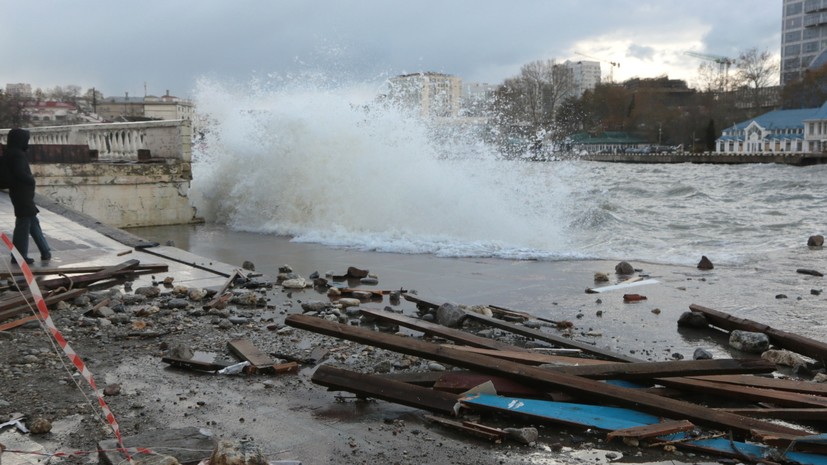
(61, 341)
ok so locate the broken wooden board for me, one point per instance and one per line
(650, 431)
(531, 358)
(780, 384)
(461, 381)
(433, 329)
(189, 445)
(633, 282)
(541, 378)
(790, 341)
(556, 340)
(794, 414)
(246, 351)
(615, 418)
(88, 279)
(792, 399)
(492, 434)
(201, 361)
(20, 303)
(338, 379)
(44, 271)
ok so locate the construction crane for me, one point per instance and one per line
(723, 64)
(612, 64)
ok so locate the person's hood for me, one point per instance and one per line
(18, 138)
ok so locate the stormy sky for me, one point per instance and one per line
(157, 45)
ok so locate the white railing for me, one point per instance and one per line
(120, 141)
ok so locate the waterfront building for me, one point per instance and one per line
(779, 131)
(167, 107)
(42, 113)
(803, 37)
(431, 94)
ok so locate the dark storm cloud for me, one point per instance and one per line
(119, 46)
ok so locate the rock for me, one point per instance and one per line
(112, 390)
(526, 435)
(820, 378)
(285, 269)
(369, 281)
(481, 309)
(248, 265)
(314, 306)
(434, 366)
(103, 312)
(693, 320)
(237, 453)
(815, 241)
(295, 283)
(450, 315)
(705, 264)
(319, 282)
(169, 280)
(148, 291)
(177, 303)
(701, 354)
(353, 272)
(747, 341)
(783, 357)
(600, 277)
(809, 272)
(346, 302)
(633, 297)
(333, 292)
(40, 426)
(197, 295)
(247, 298)
(624, 268)
(677, 356)
(815, 291)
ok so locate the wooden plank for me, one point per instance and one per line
(20, 303)
(45, 271)
(781, 384)
(246, 351)
(434, 329)
(532, 358)
(475, 429)
(541, 378)
(16, 323)
(86, 279)
(600, 369)
(461, 381)
(425, 378)
(365, 385)
(651, 431)
(795, 414)
(556, 340)
(794, 342)
(792, 399)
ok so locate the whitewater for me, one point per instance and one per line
(332, 164)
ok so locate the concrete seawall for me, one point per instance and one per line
(797, 159)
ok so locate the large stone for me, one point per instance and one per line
(296, 283)
(693, 320)
(525, 435)
(450, 315)
(705, 263)
(783, 357)
(353, 272)
(747, 341)
(624, 268)
(816, 241)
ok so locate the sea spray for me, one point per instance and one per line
(332, 165)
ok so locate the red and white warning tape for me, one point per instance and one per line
(61, 341)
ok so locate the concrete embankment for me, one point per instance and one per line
(797, 159)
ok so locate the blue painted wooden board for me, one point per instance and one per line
(614, 418)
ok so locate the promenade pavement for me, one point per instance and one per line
(78, 240)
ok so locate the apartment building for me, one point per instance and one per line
(803, 37)
(432, 94)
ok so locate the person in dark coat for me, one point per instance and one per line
(21, 193)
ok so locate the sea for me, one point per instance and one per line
(321, 174)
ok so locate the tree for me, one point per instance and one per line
(534, 96)
(11, 111)
(756, 71)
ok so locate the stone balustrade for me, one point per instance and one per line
(121, 141)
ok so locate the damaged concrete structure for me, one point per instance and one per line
(122, 174)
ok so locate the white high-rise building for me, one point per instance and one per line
(803, 37)
(433, 94)
(586, 75)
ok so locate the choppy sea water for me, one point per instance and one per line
(323, 177)
(332, 166)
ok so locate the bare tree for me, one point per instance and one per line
(756, 72)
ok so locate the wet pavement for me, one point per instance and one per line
(78, 240)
